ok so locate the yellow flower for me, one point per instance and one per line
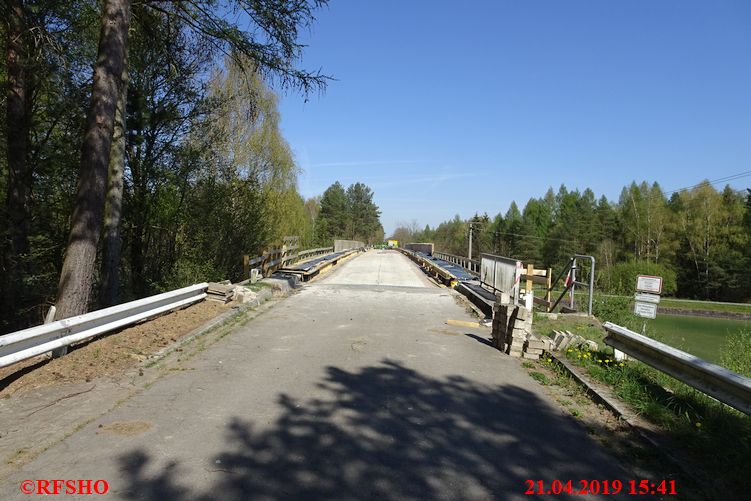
(621, 364)
(568, 351)
(549, 360)
(599, 360)
(698, 424)
(607, 361)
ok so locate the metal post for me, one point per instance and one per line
(591, 285)
(573, 283)
(591, 278)
(470, 240)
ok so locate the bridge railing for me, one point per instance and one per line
(279, 256)
(716, 381)
(471, 265)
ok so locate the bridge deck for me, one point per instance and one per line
(352, 388)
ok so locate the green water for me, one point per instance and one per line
(700, 336)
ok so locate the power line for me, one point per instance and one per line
(731, 177)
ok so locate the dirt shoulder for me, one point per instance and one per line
(109, 355)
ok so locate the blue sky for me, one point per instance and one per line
(448, 108)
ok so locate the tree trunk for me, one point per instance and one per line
(19, 175)
(112, 245)
(77, 276)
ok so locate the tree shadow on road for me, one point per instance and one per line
(387, 431)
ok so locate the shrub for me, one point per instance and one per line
(621, 277)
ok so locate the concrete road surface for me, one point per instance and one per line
(353, 388)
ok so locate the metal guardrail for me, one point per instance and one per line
(471, 265)
(307, 254)
(278, 257)
(429, 266)
(718, 382)
(28, 343)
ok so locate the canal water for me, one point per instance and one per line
(701, 336)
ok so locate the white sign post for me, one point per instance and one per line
(648, 289)
(643, 297)
(647, 297)
(649, 283)
(645, 310)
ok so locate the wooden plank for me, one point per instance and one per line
(255, 260)
(535, 279)
(539, 300)
(530, 276)
(463, 323)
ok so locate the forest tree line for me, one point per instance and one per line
(698, 239)
(159, 169)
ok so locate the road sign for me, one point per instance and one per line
(649, 283)
(646, 310)
(647, 298)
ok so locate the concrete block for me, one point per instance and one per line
(591, 345)
(531, 356)
(515, 354)
(536, 343)
(565, 343)
(559, 337)
(523, 314)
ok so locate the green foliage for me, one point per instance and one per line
(621, 277)
(208, 176)
(540, 377)
(736, 355)
(703, 425)
(618, 310)
(348, 214)
(699, 240)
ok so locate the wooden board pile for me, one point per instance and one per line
(512, 332)
(221, 292)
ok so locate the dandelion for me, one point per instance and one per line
(621, 364)
(607, 361)
(698, 424)
(568, 351)
(599, 360)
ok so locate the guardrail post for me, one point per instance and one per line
(49, 318)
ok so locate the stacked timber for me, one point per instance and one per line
(512, 329)
(517, 330)
(220, 292)
(512, 332)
